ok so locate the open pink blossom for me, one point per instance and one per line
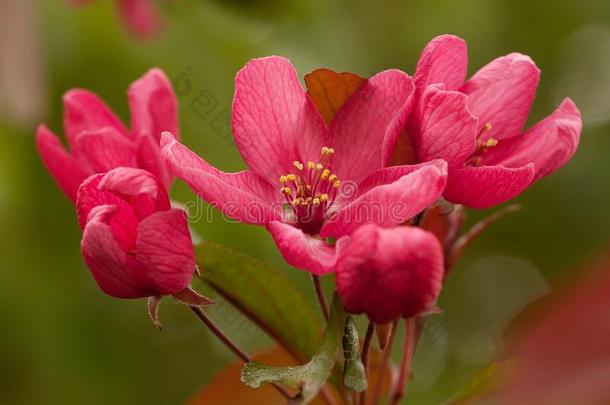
(389, 273)
(133, 242)
(476, 126)
(141, 17)
(99, 141)
(306, 181)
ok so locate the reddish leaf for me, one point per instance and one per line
(227, 389)
(329, 90)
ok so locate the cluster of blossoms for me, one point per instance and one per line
(344, 195)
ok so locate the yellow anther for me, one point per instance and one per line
(319, 166)
(291, 177)
(337, 183)
(327, 151)
(316, 201)
(296, 201)
(330, 151)
(491, 142)
(325, 174)
(286, 190)
(311, 165)
(487, 127)
(332, 178)
(283, 179)
(324, 150)
(323, 197)
(298, 165)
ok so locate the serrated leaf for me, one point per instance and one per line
(310, 377)
(264, 295)
(354, 375)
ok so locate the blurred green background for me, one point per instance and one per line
(63, 341)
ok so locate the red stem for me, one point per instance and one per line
(320, 293)
(405, 367)
(230, 344)
(387, 353)
(370, 331)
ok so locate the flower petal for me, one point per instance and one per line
(84, 111)
(137, 187)
(68, 173)
(153, 105)
(242, 196)
(149, 158)
(141, 17)
(377, 110)
(110, 265)
(502, 93)
(443, 60)
(389, 273)
(165, 249)
(485, 186)
(389, 204)
(105, 149)
(391, 174)
(548, 144)
(274, 122)
(301, 250)
(123, 221)
(445, 128)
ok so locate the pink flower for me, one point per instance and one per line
(306, 181)
(99, 141)
(133, 242)
(389, 273)
(142, 17)
(476, 125)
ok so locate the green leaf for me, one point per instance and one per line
(264, 295)
(354, 376)
(309, 377)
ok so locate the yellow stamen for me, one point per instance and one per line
(286, 190)
(296, 201)
(332, 178)
(283, 179)
(487, 127)
(311, 165)
(291, 177)
(319, 166)
(298, 165)
(325, 174)
(323, 197)
(491, 142)
(337, 183)
(316, 201)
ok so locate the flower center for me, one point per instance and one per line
(311, 190)
(482, 146)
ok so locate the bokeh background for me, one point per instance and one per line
(63, 341)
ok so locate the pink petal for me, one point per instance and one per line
(123, 221)
(242, 196)
(391, 174)
(274, 122)
(389, 273)
(153, 105)
(502, 93)
(165, 249)
(548, 145)
(137, 187)
(149, 158)
(84, 111)
(67, 172)
(443, 60)
(485, 186)
(105, 148)
(109, 263)
(141, 17)
(377, 110)
(301, 250)
(445, 128)
(389, 204)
